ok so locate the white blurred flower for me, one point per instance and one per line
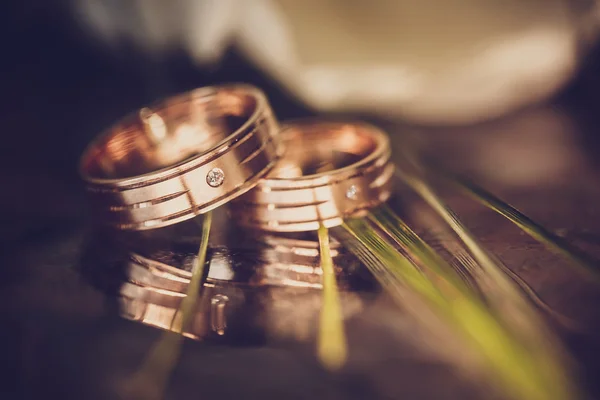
(436, 61)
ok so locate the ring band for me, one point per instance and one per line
(181, 157)
(329, 171)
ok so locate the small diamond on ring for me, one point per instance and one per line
(352, 192)
(215, 177)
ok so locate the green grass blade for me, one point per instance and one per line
(150, 381)
(332, 346)
(587, 265)
(488, 286)
(388, 221)
(494, 271)
(480, 255)
(193, 293)
(519, 372)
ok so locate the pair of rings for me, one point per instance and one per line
(193, 152)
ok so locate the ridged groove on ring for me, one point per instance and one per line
(148, 203)
(194, 210)
(313, 183)
(186, 166)
(256, 152)
(349, 212)
(293, 204)
(381, 180)
(283, 206)
(176, 193)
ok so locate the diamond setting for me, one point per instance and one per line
(352, 193)
(215, 177)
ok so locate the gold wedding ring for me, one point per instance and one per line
(181, 157)
(329, 171)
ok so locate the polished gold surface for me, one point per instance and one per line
(329, 171)
(181, 157)
(283, 266)
(278, 262)
(159, 308)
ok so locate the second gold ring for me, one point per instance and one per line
(329, 171)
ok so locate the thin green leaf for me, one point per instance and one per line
(332, 346)
(585, 264)
(388, 221)
(519, 373)
(150, 381)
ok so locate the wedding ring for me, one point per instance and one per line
(329, 172)
(181, 157)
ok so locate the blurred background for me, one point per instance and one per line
(439, 63)
(506, 92)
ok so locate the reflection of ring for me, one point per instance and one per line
(159, 307)
(282, 272)
(181, 157)
(277, 262)
(330, 171)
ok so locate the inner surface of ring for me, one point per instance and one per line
(168, 134)
(322, 148)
